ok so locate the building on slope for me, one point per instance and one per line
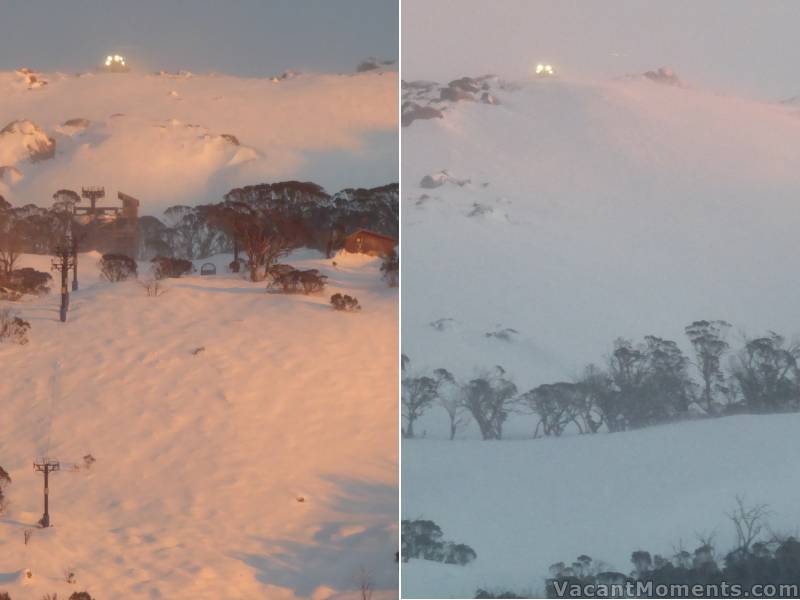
(364, 241)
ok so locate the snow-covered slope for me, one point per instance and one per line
(539, 227)
(576, 212)
(525, 505)
(184, 139)
(246, 443)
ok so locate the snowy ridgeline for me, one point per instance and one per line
(245, 442)
(543, 226)
(173, 139)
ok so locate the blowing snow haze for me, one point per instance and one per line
(216, 97)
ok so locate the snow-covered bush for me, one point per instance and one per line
(165, 266)
(423, 539)
(13, 328)
(345, 303)
(26, 281)
(117, 267)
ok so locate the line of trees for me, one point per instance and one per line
(262, 221)
(640, 384)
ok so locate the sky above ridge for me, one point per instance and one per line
(240, 37)
(732, 46)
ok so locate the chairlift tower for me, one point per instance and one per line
(64, 260)
(93, 194)
(46, 465)
(74, 263)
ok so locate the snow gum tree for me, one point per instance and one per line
(708, 341)
(489, 401)
(417, 396)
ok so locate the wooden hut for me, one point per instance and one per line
(364, 241)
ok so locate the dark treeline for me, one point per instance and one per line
(771, 562)
(640, 384)
(302, 211)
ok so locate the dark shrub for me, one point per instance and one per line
(13, 328)
(306, 281)
(345, 303)
(5, 479)
(117, 267)
(490, 596)
(277, 271)
(164, 266)
(390, 269)
(4, 596)
(80, 596)
(458, 554)
(27, 281)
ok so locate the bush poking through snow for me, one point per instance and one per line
(5, 479)
(4, 596)
(80, 596)
(26, 281)
(117, 267)
(423, 539)
(88, 461)
(13, 328)
(345, 303)
(164, 266)
(153, 287)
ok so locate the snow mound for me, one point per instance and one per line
(30, 80)
(423, 100)
(24, 140)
